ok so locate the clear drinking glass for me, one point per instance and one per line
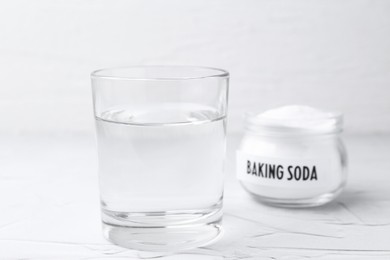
(161, 145)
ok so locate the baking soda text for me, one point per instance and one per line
(272, 171)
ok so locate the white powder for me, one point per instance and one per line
(296, 116)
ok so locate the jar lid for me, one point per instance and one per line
(294, 120)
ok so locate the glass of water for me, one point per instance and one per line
(161, 145)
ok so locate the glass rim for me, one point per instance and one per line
(213, 73)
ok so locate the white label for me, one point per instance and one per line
(282, 172)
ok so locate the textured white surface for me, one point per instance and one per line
(327, 53)
(49, 208)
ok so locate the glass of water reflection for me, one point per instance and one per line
(161, 145)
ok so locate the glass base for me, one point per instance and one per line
(163, 231)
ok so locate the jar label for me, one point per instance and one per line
(293, 172)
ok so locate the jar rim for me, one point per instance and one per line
(332, 123)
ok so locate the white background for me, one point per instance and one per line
(331, 54)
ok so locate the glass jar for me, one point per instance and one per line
(292, 166)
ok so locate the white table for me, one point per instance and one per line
(49, 208)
